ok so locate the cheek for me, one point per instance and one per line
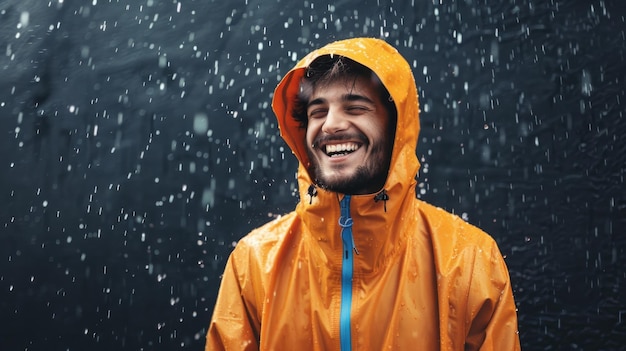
(379, 131)
(311, 132)
(309, 137)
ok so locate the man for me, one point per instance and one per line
(361, 264)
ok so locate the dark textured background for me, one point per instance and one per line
(138, 145)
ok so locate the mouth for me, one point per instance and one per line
(338, 150)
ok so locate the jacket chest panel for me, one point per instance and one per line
(379, 313)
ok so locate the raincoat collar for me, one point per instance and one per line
(377, 224)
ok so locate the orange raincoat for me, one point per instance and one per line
(412, 277)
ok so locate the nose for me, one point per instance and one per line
(335, 121)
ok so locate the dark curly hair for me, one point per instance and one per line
(329, 68)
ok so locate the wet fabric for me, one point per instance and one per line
(420, 277)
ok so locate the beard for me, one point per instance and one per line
(367, 178)
(364, 180)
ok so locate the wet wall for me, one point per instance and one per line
(138, 145)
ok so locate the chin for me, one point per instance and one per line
(354, 184)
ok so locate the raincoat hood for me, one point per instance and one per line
(377, 216)
(397, 77)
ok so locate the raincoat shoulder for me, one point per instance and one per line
(236, 322)
(474, 292)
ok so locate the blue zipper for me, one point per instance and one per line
(345, 221)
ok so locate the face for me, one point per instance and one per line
(348, 136)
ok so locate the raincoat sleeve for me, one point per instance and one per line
(235, 323)
(492, 313)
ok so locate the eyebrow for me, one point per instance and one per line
(344, 98)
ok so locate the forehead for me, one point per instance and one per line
(347, 86)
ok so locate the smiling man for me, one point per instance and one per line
(361, 264)
(349, 120)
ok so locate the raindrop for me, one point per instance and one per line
(24, 19)
(586, 87)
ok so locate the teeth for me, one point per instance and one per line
(341, 148)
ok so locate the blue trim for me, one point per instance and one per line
(345, 221)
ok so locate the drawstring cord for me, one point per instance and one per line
(312, 192)
(382, 196)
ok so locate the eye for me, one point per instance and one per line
(317, 113)
(357, 109)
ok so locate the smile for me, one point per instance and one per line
(336, 150)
